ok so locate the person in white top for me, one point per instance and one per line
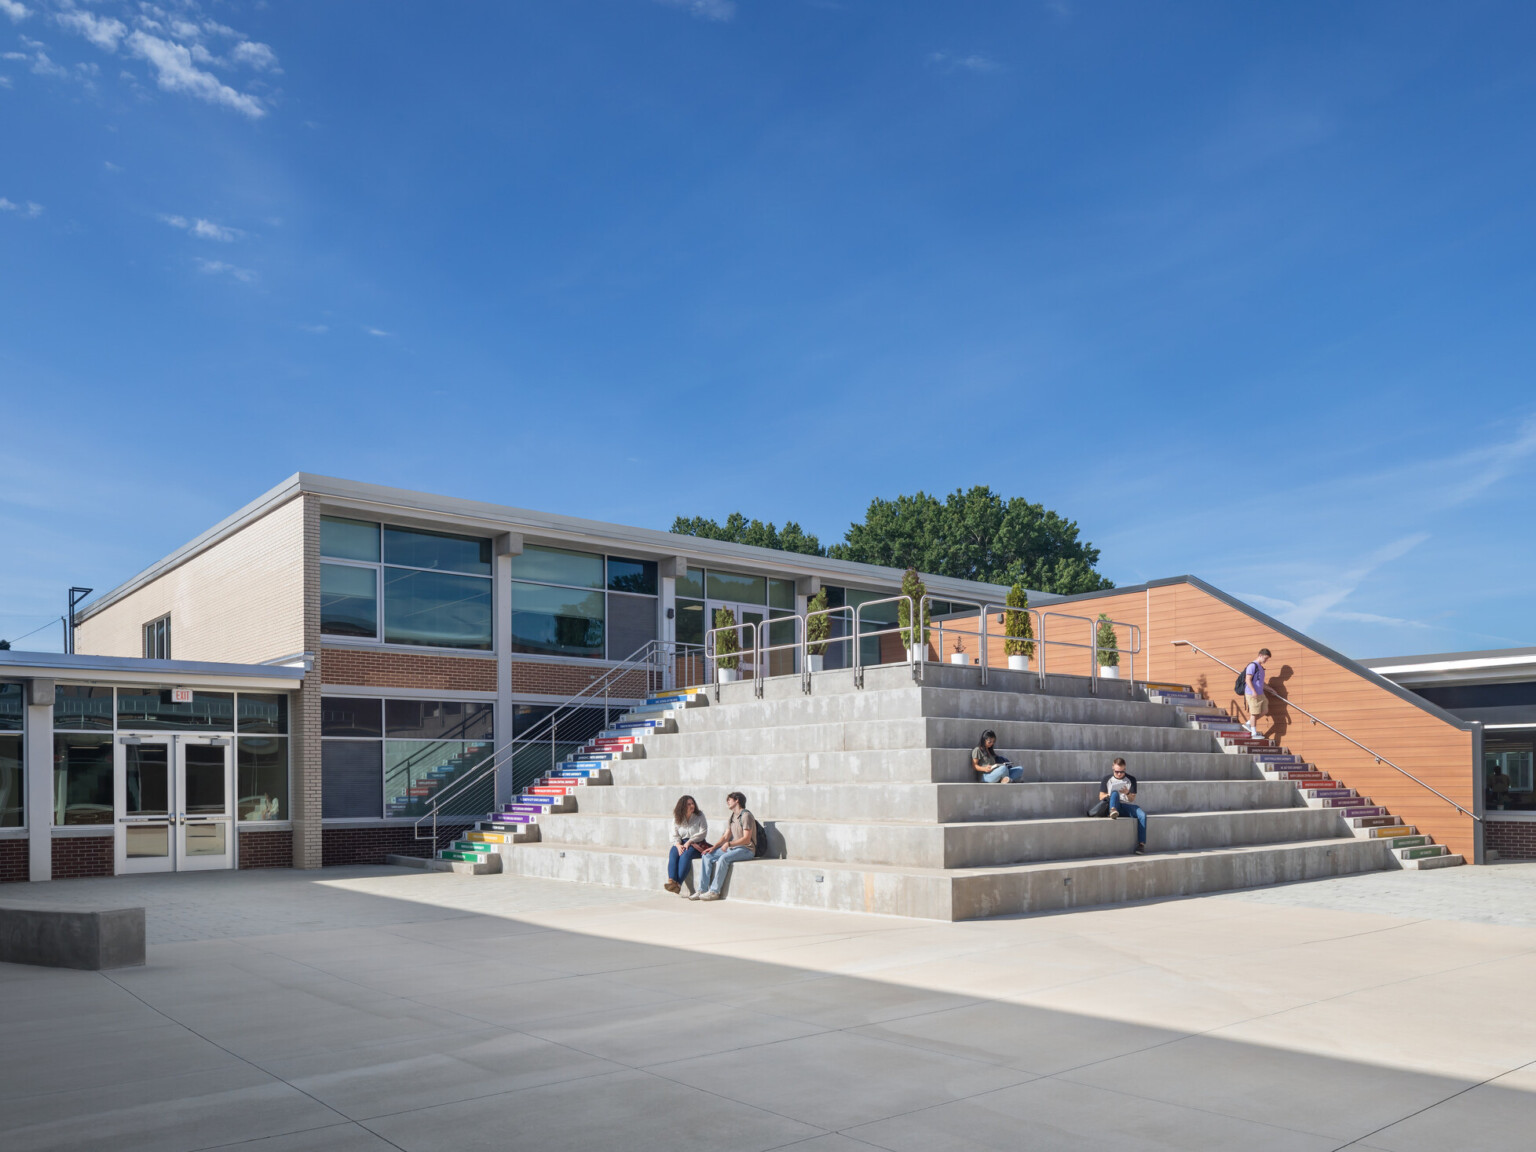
(690, 837)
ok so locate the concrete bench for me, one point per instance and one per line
(72, 937)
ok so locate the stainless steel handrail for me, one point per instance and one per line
(1093, 624)
(1041, 639)
(914, 628)
(713, 655)
(805, 663)
(654, 656)
(981, 633)
(1289, 703)
(796, 646)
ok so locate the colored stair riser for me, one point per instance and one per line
(1421, 853)
(1378, 821)
(1409, 841)
(1363, 811)
(1392, 831)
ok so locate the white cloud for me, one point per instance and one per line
(17, 12)
(5, 81)
(719, 10)
(203, 229)
(111, 167)
(219, 268)
(968, 62)
(254, 55)
(175, 72)
(31, 209)
(375, 331)
(315, 329)
(102, 31)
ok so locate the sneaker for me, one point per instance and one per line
(1141, 849)
(710, 896)
(1114, 813)
(695, 896)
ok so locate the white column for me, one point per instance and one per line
(667, 630)
(501, 644)
(38, 752)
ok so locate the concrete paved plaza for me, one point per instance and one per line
(375, 1008)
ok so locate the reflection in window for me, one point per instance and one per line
(558, 566)
(351, 716)
(82, 708)
(349, 604)
(557, 621)
(82, 780)
(151, 710)
(632, 575)
(262, 775)
(263, 712)
(349, 539)
(414, 548)
(690, 622)
(737, 587)
(11, 708)
(438, 719)
(436, 608)
(12, 802)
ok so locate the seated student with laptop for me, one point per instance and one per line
(1117, 796)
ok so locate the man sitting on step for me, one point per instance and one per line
(738, 843)
(1117, 795)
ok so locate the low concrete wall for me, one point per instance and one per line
(71, 938)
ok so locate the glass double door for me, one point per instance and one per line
(770, 627)
(746, 638)
(174, 803)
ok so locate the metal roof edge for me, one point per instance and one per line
(75, 662)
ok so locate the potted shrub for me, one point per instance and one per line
(1018, 629)
(818, 629)
(913, 638)
(957, 654)
(727, 644)
(1108, 649)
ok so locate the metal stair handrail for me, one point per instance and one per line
(1289, 703)
(652, 656)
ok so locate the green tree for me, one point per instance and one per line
(737, 529)
(818, 629)
(1109, 647)
(975, 535)
(1018, 625)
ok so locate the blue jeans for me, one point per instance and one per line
(1012, 771)
(680, 864)
(716, 865)
(1128, 809)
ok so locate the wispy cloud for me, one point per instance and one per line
(963, 61)
(175, 72)
(103, 31)
(30, 209)
(375, 331)
(315, 329)
(717, 10)
(220, 268)
(1303, 614)
(16, 11)
(203, 229)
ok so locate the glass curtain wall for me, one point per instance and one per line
(392, 757)
(582, 604)
(86, 718)
(404, 585)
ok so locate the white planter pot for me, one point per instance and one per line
(959, 658)
(1018, 663)
(816, 663)
(727, 675)
(917, 654)
(1109, 671)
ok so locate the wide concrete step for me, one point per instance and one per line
(965, 894)
(933, 675)
(971, 844)
(661, 765)
(881, 735)
(934, 803)
(982, 707)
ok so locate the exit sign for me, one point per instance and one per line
(181, 695)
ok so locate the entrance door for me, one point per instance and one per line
(754, 614)
(174, 804)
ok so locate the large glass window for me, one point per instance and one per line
(436, 608)
(690, 622)
(557, 621)
(263, 712)
(151, 710)
(12, 710)
(781, 594)
(82, 708)
(262, 766)
(558, 566)
(391, 757)
(632, 575)
(82, 779)
(631, 624)
(692, 584)
(349, 600)
(12, 770)
(157, 639)
(436, 585)
(736, 587)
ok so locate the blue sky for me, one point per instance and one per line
(1245, 290)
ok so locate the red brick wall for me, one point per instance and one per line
(371, 845)
(75, 856)
(14, 865)
(364, 669)
(569, 679)
(1511, 839)
(266, 848)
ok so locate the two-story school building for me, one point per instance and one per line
(288, 687)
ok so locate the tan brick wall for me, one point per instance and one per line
(569, 679)
(363, 668)
(240, 602)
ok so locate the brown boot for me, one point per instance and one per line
(671, 885)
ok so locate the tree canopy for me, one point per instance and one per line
(974, 535)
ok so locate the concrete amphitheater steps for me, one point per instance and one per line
(966, 894)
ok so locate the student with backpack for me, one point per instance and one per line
(742, 840)
(1250, 683)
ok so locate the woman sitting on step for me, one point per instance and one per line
(690, 836)
(989, 765)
